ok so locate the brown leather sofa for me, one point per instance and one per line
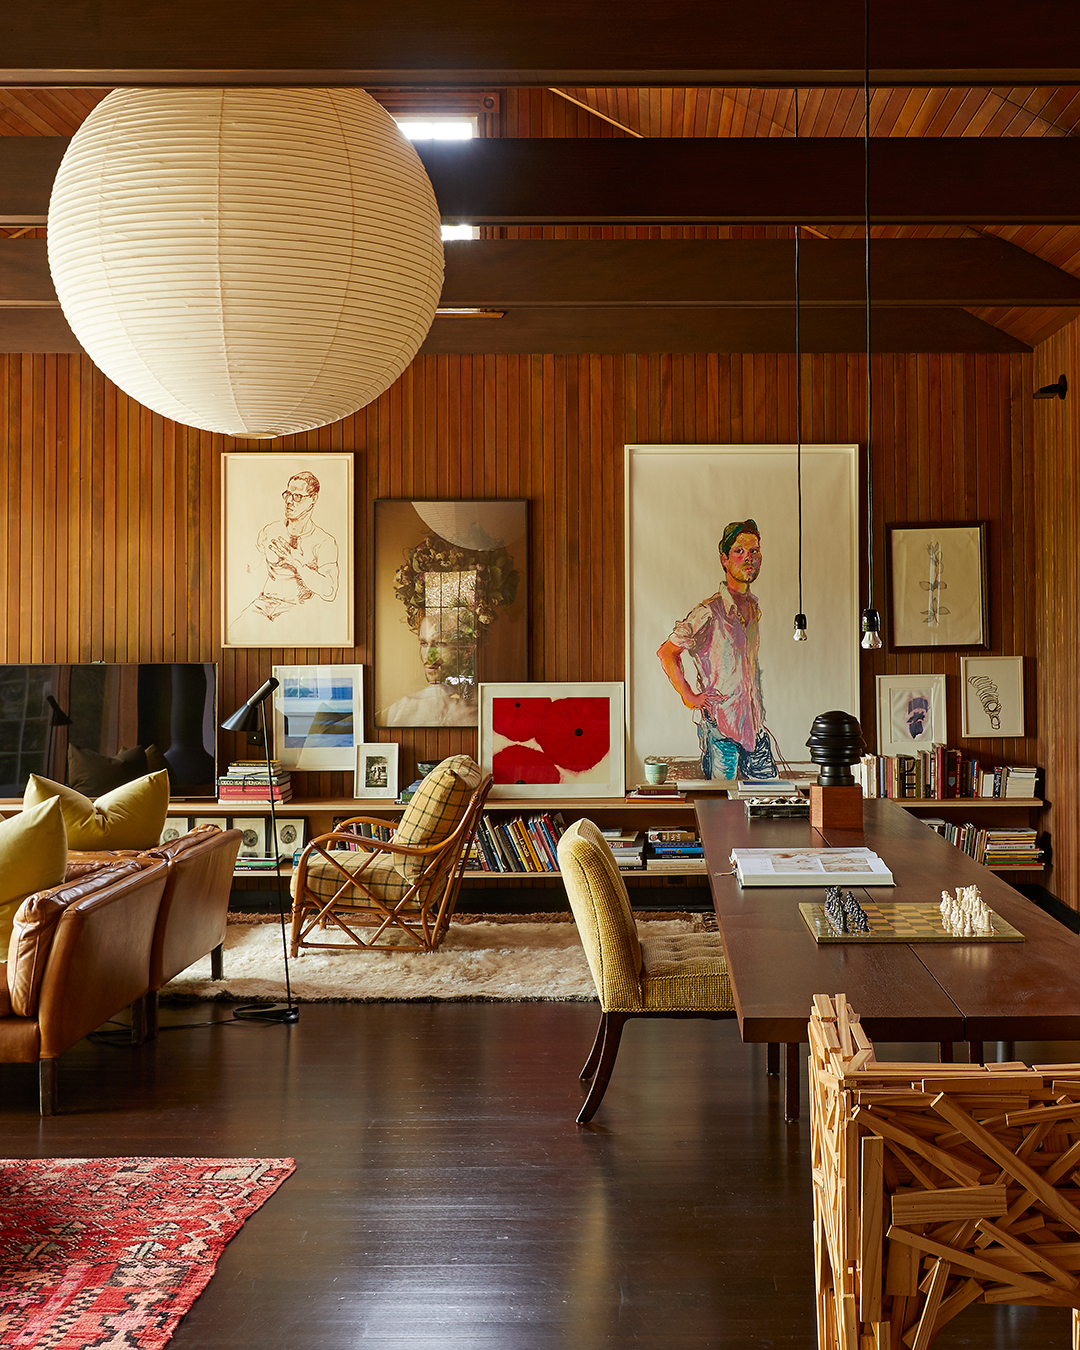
(78, 955)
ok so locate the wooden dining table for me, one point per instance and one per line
(920, 991)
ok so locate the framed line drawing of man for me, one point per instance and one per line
(711, 543)
(451, 607)
(287, 549)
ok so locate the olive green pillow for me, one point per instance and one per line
(33, 857)
(131, 816)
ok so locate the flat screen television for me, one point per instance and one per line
(96, 726)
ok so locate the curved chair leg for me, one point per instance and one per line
(594, 1054)
(611, 1025)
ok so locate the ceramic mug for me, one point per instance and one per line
(655, 773)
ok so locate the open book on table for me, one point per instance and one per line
(810, 867)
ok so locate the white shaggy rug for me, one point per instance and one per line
(514, 961)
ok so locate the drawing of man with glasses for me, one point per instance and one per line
(301, 558)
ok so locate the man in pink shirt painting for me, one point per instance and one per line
(721, 638)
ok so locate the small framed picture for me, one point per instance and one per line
(252, 835)
(377, 770)
(937, 586)
(318, 716)
(553, 740)
(175, 826)
(910, 713)
(290, 832)
(992, 703)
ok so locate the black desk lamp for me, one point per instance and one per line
(250, 717)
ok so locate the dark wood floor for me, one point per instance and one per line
(445, 1199)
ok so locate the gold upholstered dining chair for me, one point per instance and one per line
(398, 894)
(635, 976)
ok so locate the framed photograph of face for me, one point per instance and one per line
(318, 716)
(451, 607)
(287, 549)
(377, 770)
(992, 703)
(553, 740)
(937, 586)
(910, 713)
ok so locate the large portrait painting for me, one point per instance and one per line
(712, 590)
(451, 607)
(287, 549)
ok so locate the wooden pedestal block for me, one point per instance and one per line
(837, 807)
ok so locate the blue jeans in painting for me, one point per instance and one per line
(721, 758)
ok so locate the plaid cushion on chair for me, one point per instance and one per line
(437, 808)
(380, 876)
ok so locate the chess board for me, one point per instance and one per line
(902, 921)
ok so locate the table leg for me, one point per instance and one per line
(791, 1081)
(772, 1059)
(945, 1052)
(975, 1052)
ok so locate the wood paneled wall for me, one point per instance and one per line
(109, 546)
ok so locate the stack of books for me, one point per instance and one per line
(656, 792)
(674, 850)
(938, 774)
(627, 847)
(1011, 848)
(246, 780)
(764, 787)
(516, 844)
(1020, 781)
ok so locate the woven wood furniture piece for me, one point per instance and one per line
(396, 895)
(635, 976)
(936, 1186)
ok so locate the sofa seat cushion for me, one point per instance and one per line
(131, 816)
(379, 876)
(686, 972)
(437, 808)
(33, 854)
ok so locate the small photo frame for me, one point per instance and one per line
(318, 716)
(253, 835)
(992, 702)
(910, 713)
(377, 770)
(174, 827)
(553, 739)
(937, 586)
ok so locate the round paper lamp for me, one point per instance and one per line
(257, 262)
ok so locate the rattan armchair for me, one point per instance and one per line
(397, 894)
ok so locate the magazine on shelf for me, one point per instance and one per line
(810, 867)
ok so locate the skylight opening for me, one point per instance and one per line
(438, 128)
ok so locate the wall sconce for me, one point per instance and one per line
(1058, 390)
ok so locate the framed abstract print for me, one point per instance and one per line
(910, 713)
(553, 739)
(318, 716)
(937, 586)
(992, 702)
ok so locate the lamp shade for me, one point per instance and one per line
(256, 261)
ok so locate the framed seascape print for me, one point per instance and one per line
(377, 770)
(712, 589)
(287, 549)
(937, 586)
(553, 740)
(451, 607)
(318, 716)
(910, 713)
(992, 703)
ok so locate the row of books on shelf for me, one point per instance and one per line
(516, 844)
(939, 773)
(992, 848)
(249, 780)
(664, 849)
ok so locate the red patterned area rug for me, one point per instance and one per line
(110, 1253)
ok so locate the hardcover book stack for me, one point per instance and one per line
(656, 792)
(674, 850)
(996, 848)
(939, 774)
(246, 780)
(627, 847)
(516, 844)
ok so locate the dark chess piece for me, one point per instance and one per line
(857, 922)
(834, 909)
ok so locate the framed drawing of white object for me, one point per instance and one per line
(910, 713)
(377, 770)
(992, 703)
(937, 585)
(318, 716)
(683, 604)
(553, 739)
(287, 549)
(252, 835)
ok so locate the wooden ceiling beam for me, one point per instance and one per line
(572, 42)
(670, 181)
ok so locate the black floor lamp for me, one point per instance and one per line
(251, 717)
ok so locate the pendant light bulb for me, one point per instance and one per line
(800, 634)
(871, 630)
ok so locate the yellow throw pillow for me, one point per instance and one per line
(33, 857)
(131, 816)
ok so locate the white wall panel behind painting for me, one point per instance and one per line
(679, 498)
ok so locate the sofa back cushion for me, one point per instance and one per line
(437, 807)
(131, 816)
(33, 851)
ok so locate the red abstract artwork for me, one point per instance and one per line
(552, 739)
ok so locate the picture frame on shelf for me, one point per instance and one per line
(910, 713)
(377, 770)
(937, 585)
(253, 835)
(451, 588)
(992, 699)
(287, 549)
(174, 827)
(553, 739)
(318, 716)
(291, 833)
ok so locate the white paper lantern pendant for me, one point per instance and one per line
(257, 262)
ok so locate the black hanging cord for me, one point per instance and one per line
(798, 379)
(869, 378)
